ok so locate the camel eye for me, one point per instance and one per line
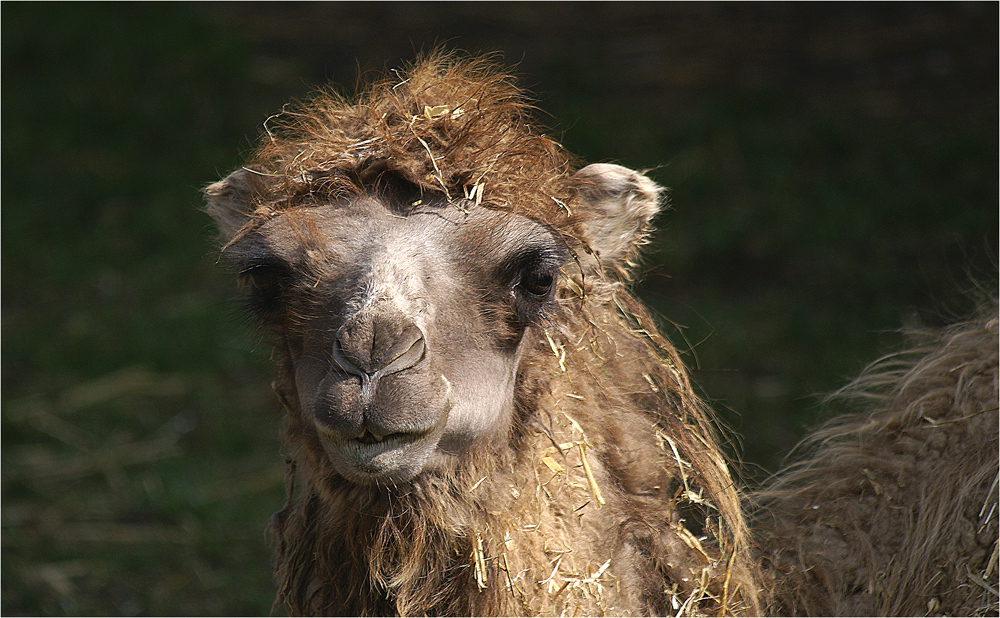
(534, 274)
(537, 283)
(261, 278)
(265, 283)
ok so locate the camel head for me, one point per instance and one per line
(405, 316)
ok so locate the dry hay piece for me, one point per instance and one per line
(894, 511)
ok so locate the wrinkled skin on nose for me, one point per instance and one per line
(378, 342)
(375, 386)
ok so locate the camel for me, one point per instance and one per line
(481, 419)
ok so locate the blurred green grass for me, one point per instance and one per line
(140, 450)
(833, 176)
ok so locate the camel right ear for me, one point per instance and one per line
(619, 205)
(231, 201)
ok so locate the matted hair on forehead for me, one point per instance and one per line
(450, 126)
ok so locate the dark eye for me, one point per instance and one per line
(265, 283)
(260, 278)
(537, 282)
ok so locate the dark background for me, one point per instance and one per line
(833, 175)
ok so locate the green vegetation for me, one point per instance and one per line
(141, 456)
(140, 449)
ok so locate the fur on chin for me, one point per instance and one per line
(379, 549)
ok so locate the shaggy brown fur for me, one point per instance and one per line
(894, 512)
(607, 493)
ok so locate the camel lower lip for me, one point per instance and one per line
(389, 442)
(394, 459)
(369, 438)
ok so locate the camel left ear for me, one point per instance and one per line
(230, 201)
(619, 205)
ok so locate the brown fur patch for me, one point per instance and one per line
(893, 512)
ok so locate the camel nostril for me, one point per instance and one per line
(409, 356)
(344, 363)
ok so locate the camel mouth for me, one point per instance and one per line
(372, 442)
(368, 451)
(369, 437)
(373, 458)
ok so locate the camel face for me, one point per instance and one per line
(404, 323)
